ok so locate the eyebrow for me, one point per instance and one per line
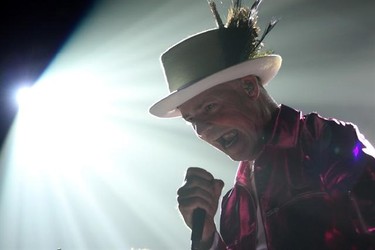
(198, 106)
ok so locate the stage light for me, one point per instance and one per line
(22, 95)
(86, 166)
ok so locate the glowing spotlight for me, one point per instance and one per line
(85, 159)
(23, 95)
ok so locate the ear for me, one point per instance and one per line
(251, 86)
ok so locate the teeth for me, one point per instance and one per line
(228, 139)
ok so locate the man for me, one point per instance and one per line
(303, 182)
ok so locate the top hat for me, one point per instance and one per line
(214, 57)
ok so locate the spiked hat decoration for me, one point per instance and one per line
(216, 56)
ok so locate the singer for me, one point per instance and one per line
(303, 181)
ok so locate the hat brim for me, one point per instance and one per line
(265, 68)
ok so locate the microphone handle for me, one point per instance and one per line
(199, 216)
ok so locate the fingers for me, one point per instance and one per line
(198, 172)
(190, 199)
(201, 190)
(218, 187)
(198, 177)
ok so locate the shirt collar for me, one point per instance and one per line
(283, 133)
(244, 171)
(286, 128)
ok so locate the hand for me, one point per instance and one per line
(201, 190)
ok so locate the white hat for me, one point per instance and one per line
(210, 58)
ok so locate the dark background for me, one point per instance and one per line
(31, 34)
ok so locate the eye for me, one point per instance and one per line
(188, 119)
(210, 107)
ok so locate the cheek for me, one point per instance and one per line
(238, 117)
(241, 120)
(250, 126)
(232, 115)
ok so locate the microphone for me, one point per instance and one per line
(199, 216)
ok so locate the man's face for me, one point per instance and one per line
(228, 119)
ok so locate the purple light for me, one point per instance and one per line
(356, 150)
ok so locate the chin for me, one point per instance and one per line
(239, 155)
(235, 154)
(234, 158)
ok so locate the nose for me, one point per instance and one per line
(201, 129)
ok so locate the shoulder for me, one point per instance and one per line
(319, 126)
(331, 134)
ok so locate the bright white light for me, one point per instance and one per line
(87, 166)
(67, 113)
(23, 95)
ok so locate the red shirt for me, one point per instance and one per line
(315, 182)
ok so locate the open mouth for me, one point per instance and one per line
(228, 139)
